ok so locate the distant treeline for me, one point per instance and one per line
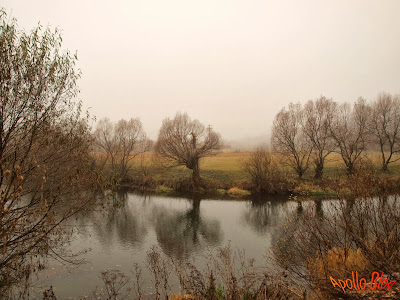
(302, 138)
(309, 133)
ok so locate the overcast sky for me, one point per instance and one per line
(229, 63)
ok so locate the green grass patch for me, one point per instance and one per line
(162, 189)
(221, 191)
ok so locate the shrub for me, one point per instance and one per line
(338, 263)
(264, 171)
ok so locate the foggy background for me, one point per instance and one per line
(229, 63)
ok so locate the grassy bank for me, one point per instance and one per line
(224, 171)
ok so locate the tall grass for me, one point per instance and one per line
(225, 275)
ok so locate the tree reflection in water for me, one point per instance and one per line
(180, 234)
(263, 213)
(282, 238)
(123, 220)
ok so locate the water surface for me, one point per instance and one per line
(118, 237)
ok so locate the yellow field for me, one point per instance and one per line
(225, 169)
(334, 163)
(224, 161)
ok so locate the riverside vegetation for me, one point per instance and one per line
(229, 173)
(332, 141)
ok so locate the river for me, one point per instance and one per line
(119, 235)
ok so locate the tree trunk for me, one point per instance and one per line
(319, 167)
(350, 168)
(195, 220)
(196, 175)
(300, 173)
(319, 212)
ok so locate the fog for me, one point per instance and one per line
(229, 63)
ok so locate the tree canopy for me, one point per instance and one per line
(183, 141)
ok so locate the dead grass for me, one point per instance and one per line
(225, 170)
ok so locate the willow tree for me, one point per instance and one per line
(184, 142)
(120, 143)
(318, 115)
(349, 128)
(44, 144)
(384, 126)
(289, 138)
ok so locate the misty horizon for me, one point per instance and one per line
(231, 64)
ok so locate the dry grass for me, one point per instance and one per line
(225, 170)
(232, 161)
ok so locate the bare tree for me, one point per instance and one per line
(264, 170)
(121, 142)
(384, 126)
(183, 141)
(44, 142)
(316, 128)
(348, 126)
(289, 139)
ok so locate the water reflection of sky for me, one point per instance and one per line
(180, 227)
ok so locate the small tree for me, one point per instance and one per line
(182, 141)
(121, 142)
(384, 126)
(289, 139)
(316, 127)
(348, 126)
(264, 171)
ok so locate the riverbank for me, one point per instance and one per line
(223, 175)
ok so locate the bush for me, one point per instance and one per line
(264, 171)
(338, 263)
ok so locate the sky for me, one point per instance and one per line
(232, 64)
